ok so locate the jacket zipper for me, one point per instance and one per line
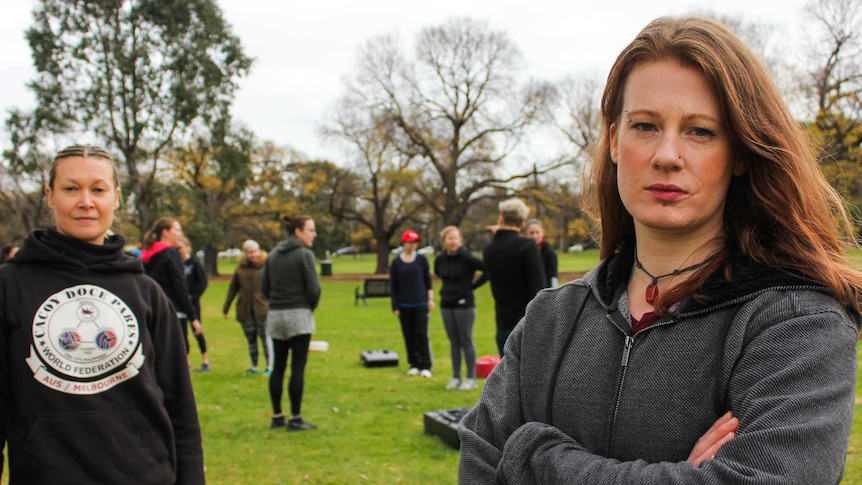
(627, 347)
(624, 364)
(630, 341)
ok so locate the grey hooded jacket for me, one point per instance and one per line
(289, 279)
(578, 399)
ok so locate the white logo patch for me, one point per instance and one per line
(86, 340)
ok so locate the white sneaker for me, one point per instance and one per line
(413, 372)
(454, 383)
(425, 373)
(468, 384)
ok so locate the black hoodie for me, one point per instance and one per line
(94, 384)
(457, 271)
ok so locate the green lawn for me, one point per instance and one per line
(365, 263)
(370, 419)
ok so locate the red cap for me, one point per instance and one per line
(410, 236)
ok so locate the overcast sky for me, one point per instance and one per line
(303, 49)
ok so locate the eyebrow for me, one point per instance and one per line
(688, 117)
(73, 179)
(78, 182)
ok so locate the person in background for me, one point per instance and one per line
(536, 232)
(412, 298)
(94, 386)
(162, 262)
(8, 252)
(290, 284)
(514, 267)
(716, 341)
(251, 307)
(196, 280)
(457, 267)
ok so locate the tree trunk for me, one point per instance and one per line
(211, 259)
(382, 256)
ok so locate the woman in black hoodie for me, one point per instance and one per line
(457, 267)
(93, 382)
(197, 282)
(163, 263)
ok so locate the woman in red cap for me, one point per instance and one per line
(412, 299)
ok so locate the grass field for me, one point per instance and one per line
(370, 419)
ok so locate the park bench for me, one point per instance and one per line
(372, 288)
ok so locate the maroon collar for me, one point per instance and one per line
(646, 320)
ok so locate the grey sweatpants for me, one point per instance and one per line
(459, 328)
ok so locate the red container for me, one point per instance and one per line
(486, 364)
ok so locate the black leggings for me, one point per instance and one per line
(202, 341)
(298, 346)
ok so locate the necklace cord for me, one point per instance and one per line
(652, 288)
(672, 273)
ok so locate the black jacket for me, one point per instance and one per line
(516, 272)
(94, 383)
(549, 258)
(196, 281)
(457, 272)
(164, 264)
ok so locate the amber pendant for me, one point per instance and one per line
(651, 293)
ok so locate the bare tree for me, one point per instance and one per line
(577, 113)
(836, 41)
(457, 105)
(835, 89)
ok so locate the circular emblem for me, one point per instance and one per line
(84, 334)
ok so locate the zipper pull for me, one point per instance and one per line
(627, 349)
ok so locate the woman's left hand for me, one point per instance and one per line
(196, 326)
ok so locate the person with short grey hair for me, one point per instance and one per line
(513, 212)
(514, 268)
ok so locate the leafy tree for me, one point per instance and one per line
(23, 175)
(840, 140)
(312, 183)
(204, 190)
(227, 188)
(267, 197)
(134, 72)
